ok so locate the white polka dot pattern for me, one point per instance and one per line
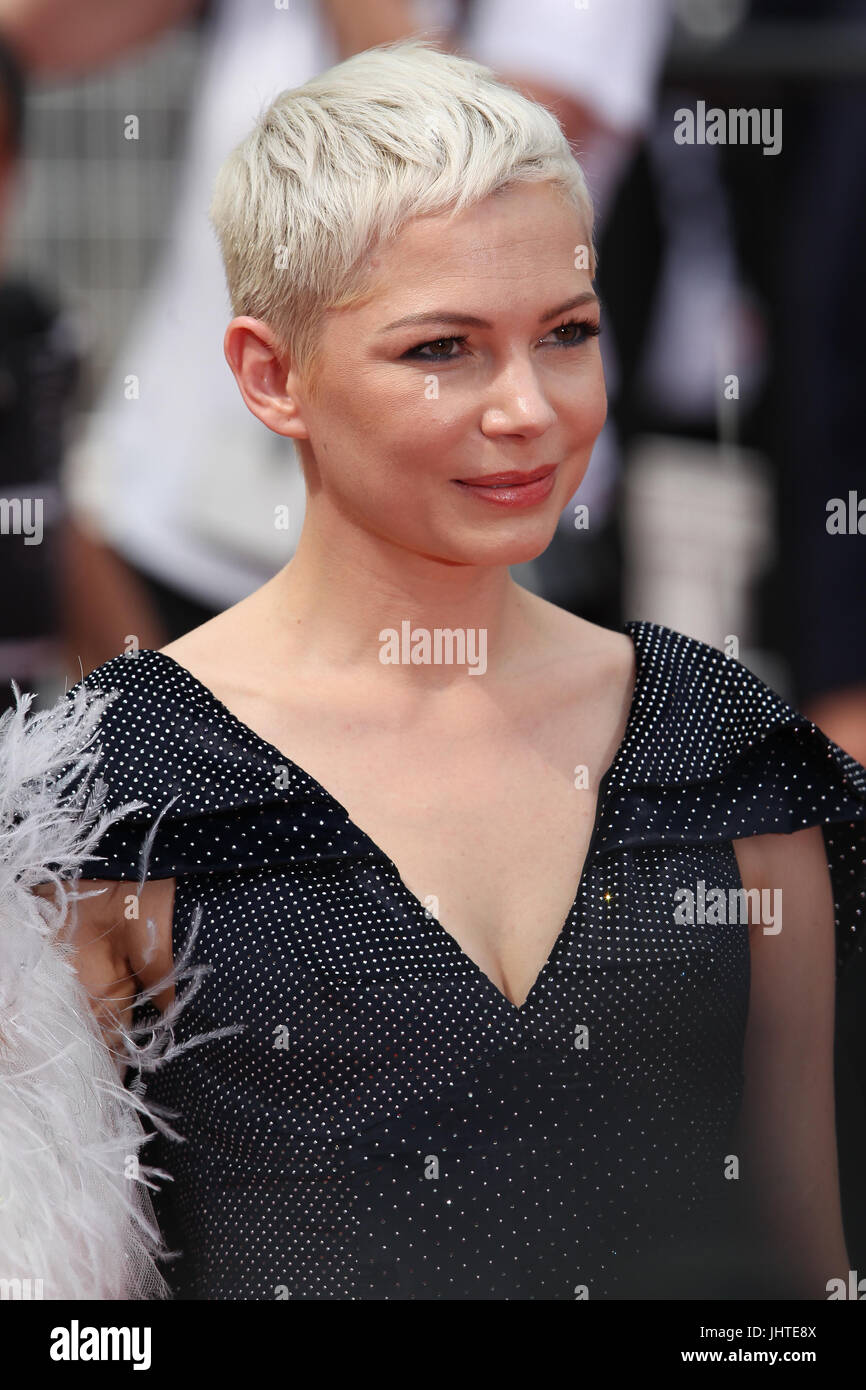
(386, 1124)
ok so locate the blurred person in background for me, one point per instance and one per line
(819, 424)
(741, 234)
(175, 496)
(822, 421)
(38, 372)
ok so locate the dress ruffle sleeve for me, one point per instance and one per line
(208, 800)
(757, 766)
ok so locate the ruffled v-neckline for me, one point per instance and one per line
(276, 756)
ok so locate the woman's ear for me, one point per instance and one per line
(265, 381)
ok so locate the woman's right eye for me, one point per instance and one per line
(418, 351)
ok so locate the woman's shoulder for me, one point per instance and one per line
(159, 760)
(209, 795)
(131, 678)
(139, 722)
(672, 666)
(713, 754)
(697, 711)
(703, 710)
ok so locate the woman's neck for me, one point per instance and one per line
(367, 607)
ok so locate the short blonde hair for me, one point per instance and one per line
(336, 166)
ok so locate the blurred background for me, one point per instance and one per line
(727, 495)
(730, 273)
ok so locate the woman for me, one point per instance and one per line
(479, 1010)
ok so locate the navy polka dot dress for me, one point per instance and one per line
(379, 1121)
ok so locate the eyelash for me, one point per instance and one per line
(591, 330)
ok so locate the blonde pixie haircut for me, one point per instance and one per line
(338, 165)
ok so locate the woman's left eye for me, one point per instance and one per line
(587, 327)
(590, 330)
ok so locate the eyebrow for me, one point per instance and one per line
(446, 316)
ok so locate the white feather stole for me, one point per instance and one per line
(76, 1218)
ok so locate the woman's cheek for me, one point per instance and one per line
(430, 414)
(588, 406)
(601, 413)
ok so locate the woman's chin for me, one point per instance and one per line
(507, 550)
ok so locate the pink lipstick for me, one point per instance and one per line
(512, 489)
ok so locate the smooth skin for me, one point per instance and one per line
(467, 783)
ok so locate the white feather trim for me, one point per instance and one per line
(75, 1211)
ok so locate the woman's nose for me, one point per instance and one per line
(516, 404)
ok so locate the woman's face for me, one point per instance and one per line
(405, 413)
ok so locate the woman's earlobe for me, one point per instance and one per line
(293, 426)
(252, 353)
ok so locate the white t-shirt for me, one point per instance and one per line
(181, 478)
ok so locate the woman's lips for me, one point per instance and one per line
(507, 489)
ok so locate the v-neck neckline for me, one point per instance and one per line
(630, 629)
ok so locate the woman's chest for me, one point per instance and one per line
(489, 834)
(480, 803)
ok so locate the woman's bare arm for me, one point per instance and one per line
(116, 952)
(95, 929)
(54, 36)
(788, 1122)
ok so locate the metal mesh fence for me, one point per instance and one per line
(92, 205)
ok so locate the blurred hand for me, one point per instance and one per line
(577, 121)
(359, 26)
